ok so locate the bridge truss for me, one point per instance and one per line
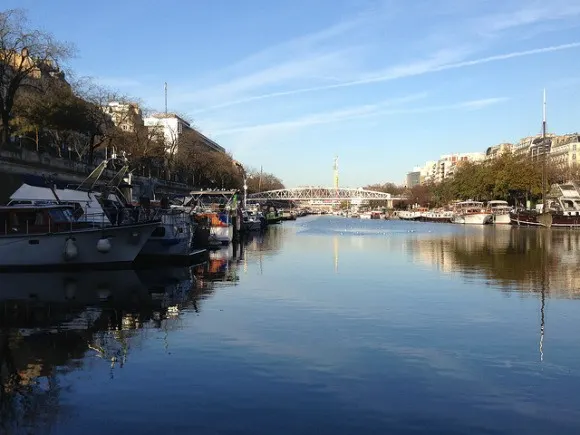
(321, 193)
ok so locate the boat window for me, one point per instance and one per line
(568, 204)
(39, 218)
(58, 215)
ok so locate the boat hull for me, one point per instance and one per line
(221, 235)
(501, 219)
(437, 219)
(38, 250)
(249, 226)
(533, 219)
(473, 219)
(173, 238)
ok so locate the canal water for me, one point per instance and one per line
(323, 325)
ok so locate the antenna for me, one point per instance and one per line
(166, 98)
(336, 172)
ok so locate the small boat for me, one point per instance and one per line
(365, 215)
(444, 216)
(412, 215)
(500, 210)
(51, 235)
(471, 213)
(174, 237)
(221, 231)
(252, 221)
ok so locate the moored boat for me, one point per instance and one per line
(435, 216)
(562, 209)
(471, 213)
(50, 235)
(500, 210)
(174, 237)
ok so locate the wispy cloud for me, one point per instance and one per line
(430, 65)
(358, 112)
(298, 66)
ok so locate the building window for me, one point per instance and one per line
(574, 147)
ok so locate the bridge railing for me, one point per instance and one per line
(321, 193)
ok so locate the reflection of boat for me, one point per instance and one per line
(49, 235)
(471, 212)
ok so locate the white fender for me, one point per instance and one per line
(104, 245)
(70, 250)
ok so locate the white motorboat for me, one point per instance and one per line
(471, 213)
(501, 211)
(109, 207)
(252, 221)
(174, 237)
(49, 235)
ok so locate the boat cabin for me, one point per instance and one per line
(31, 219)
(469, 206)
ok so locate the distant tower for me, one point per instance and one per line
(336, 173)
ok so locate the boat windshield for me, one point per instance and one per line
(61, 215)
(568, 204)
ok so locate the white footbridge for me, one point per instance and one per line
(321, 194)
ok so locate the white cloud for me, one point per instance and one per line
(431, 65)
(358, 112)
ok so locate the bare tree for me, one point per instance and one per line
(25, 54)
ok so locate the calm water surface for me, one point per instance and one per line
(323, 325)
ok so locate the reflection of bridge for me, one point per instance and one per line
(321, 193)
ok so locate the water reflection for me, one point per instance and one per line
(526, 260)
(54, 323)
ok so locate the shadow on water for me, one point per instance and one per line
(51, 322)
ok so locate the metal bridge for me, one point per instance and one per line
(321, 193)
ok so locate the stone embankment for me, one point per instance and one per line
(15, 164)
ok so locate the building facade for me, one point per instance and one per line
(413, 178)
(127, 116)
(173, 127)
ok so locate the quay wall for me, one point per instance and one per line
(15, 164)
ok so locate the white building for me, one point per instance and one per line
(564, 151)
(173, 128)
(437, 171)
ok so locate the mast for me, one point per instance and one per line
(544, 153)
(165, 97)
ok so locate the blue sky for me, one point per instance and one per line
(383, 84)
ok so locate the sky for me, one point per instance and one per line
(385, 85)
